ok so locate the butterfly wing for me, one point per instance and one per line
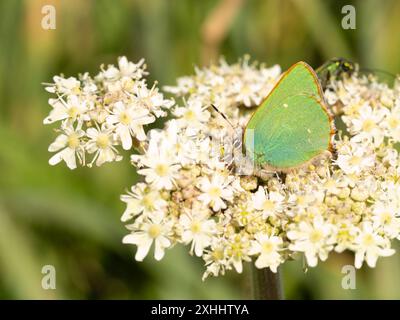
(292, 125)
(304, 132)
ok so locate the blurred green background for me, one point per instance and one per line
(71, 219)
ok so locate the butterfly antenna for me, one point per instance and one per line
(223, 116)
(237, 142)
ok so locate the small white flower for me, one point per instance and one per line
(152, 100)
(268, 249)
(269, 203)
(215, 191)
(237, 251)
(64, 86)
(314, 238)
(129, 122)
(125, 69)
(369, 245)
(101, 143)
(89, 87)
(184, 85)
(385, 216)
(198, 229)
(346, 234)
(142, 200)
(355, 159)
(74, 108)
(215, 258)
(300, 202)
(367, 125)
(391, 123)
(154, 230)
(70, 141)
(161, 169)
(193, 114)
(130, 69)
(177, 143)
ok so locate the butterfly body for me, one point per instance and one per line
(292, 126)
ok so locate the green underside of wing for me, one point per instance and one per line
(300, 80)
(290, 133)
(291, 126)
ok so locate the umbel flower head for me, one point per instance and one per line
(191, 195)
(97, 115)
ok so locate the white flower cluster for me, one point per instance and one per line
(229, 86)
(99, 114)
(192, 197)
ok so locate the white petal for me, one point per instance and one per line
(59, 143)
(358, 259)
(198, 249)
(371, 259)
(69, 158)
(58, 113)
(158, 251)
(312, 260)
(57, 158)
(143, 249)
(92, 133)
(125, 136)
(143, 244)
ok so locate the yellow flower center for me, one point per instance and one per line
(161, 170)
(154, 231)
(195, 227)
(355, 160)
(103, 141)
(244, 213)
(73, 112)
(125, 118)
(73, 141)
(218, 254)
(246, 90)
(76, 90)
(269, 205)
(386, 218)
(147, 202)
(344, 235)
(235, 250)
(215, 192)
(267, 247)
(301, 200)
(316, 236)
(368, 125)
(368, 240)
(393, 122)
(189, 115)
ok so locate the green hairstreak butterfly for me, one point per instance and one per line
(292, 125)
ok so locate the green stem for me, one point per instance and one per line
(266, 284)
